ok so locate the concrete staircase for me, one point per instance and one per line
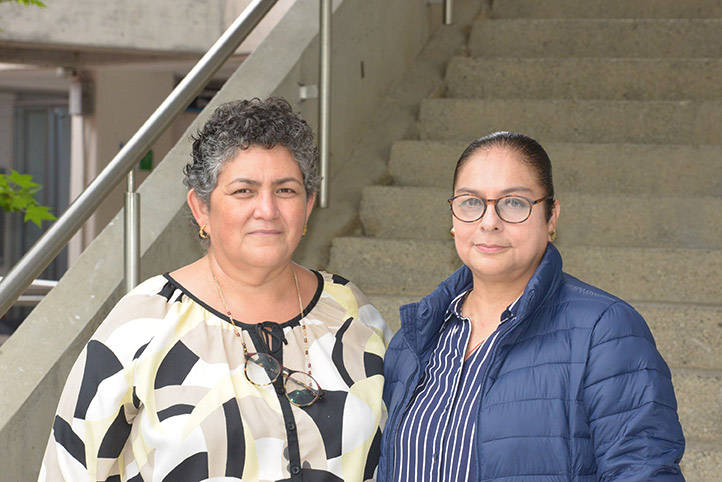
(627, 99)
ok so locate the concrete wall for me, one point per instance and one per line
(385, 36)
(127, 25)
(121, 24)
(7, 101)
(124, 99)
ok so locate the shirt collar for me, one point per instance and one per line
(454, 309)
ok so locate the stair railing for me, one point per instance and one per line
(59, 234)
(448, 12)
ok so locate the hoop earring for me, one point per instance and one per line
(553, 235)
(452, 232)
(202, 232)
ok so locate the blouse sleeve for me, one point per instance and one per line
(92, 425)
(370, 316)
(630, 402)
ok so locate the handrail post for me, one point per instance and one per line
(324, 101)
(448, 12)
(132, 233)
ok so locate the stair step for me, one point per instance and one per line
(686, 335)
(606, 9)
(585, 78)
(701, 462)
(388, 306)
(699, 401)
(392, 266)
(586, 220)
(594, 121)
(692, 38)
(672, 170)
(415, 267)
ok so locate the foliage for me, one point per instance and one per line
(17, 193)
(27, 3)
(17, 190)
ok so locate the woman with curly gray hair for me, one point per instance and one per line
(242, 365)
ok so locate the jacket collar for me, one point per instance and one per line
(422, 321)
(543, 283)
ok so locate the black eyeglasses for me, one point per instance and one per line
(300, 387)
(468, 208)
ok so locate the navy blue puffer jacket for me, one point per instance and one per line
(574, 391)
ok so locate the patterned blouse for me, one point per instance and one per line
(160, 394)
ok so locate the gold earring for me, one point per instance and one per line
(304, 230)
(553, 235)
(452, 232)
(202, 232)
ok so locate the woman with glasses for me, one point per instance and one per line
(512, 369)
(242, 365)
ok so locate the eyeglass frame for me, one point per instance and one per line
(486, 202)
(286, 372)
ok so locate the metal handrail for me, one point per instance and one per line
(448, 12)
(60, 233)
(34, 293)
(324, 98)
(131, 228)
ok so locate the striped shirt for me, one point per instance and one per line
(436, 439)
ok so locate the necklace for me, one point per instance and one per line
(238, 333)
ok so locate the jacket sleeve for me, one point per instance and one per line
(629, 401)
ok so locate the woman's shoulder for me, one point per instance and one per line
(135, 312)
(599, 310)
(355, 303)
(338, 287)
(577, 294)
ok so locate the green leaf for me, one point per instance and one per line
(17, 193)
(37, 214)
(27, 3)
(22, 180)
(20, 203)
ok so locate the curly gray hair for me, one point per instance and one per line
(237, 126)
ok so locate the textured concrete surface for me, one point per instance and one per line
(687, 335)
(699, 397)
(670, 170)
(586, 220)
(649, 274)
(585, 78)
(702, 462)
(635, 145)
(692, 38)
(598, 121)
(606, 9)
(123, 24)
(367, 161)
(415, 267)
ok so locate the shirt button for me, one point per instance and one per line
(436, 456)
(279, 390)
(295, 469)
(291, 426)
